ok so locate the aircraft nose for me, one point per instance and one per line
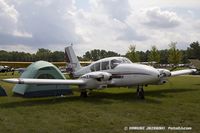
(151, 71)
(154, 73)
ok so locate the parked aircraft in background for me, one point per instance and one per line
(4, 69)
(107, 72)
(16, 65)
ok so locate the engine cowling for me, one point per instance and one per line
(164, 73)
(100, 76)
(105, 77)
(97, 79)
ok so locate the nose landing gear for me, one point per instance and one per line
(140, 92)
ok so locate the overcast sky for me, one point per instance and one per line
(26, 25)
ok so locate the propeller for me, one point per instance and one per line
(164, 73)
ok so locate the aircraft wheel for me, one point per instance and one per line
(140, 92)
(83, 94)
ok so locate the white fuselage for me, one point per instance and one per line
(123, 74)
(134, 74)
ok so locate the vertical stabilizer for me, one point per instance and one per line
(72, 59)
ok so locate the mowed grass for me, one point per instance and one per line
(176, 103)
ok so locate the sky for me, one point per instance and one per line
(26, 25)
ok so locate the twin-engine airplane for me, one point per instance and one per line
(107, 72)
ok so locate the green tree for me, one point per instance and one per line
(103, 54)
(132, 54)
(184, 56)
(43, 54)
(194, 50)
(154, 55)
(87, 56)
(97, 54)
(5, 56)
(164, 54)
(57, 56)
(175, 55)
(142, 56)
(112, 54)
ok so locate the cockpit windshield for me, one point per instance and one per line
(116, 62)
(125, 60)
(109, 64)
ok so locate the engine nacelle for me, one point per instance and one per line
(97, 79)
(105, 77)
(100, 76)
(164, 73)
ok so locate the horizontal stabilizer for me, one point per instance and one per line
(45, 81)
(182, 72)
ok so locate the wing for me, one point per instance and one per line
(89, 80)
(45, 81)
(182, 72)
(166, 73)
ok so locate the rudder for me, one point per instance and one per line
(72, 59)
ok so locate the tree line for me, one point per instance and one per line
(41, 54)
(171, 55)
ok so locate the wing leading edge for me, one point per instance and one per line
(182, 72)
(45, 81)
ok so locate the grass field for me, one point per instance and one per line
(176, 103)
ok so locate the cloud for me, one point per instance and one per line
(8, 16)
(117, 9)
(155, 17)
(130, 34)
(103, 28)
(17, 47)
(42, 23)
(104, 24)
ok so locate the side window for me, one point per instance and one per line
(114, 63)
(105, 65)
(92, 68)
(97, 66)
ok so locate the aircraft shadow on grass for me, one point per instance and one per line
(98, 97)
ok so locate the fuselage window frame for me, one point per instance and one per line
(97, 66)
(105, 65)
(114, 63)
(92, 68)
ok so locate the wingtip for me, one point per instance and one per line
(194, 71)
(10, 80)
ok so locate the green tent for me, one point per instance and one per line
(2, 91)
(41, 70)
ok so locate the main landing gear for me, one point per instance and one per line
(140, 92)
(84, 94)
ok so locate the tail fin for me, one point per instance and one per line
(72, 59)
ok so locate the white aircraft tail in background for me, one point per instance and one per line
(73, 63)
